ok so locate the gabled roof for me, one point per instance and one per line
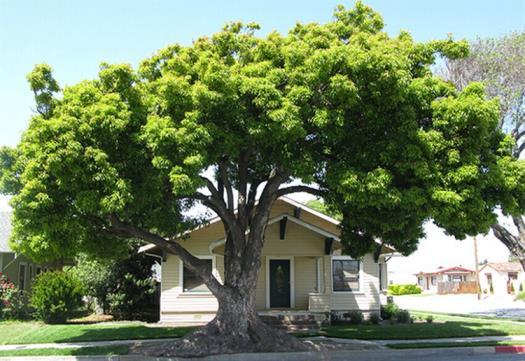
(5, 231)
(386, 248)
(505, 266)
(218, 219)
(442, 270)
(291, 218)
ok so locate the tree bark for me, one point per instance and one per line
(236, 328)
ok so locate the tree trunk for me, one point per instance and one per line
(235, 329)
(515, 244)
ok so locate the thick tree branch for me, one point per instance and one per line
(223, 174)
(243, 189)
(300, 188)
(196, 265)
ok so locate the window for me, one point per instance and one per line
(22, 276)
(191, 282)
(345, 275)
(433, 280)
(420, 281)
(513, 276)
(38, 270)
(456, 278)
(30, 272)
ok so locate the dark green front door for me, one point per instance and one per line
(280, 283)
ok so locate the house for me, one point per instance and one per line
(301, 251)
(18, 268)
(430, 281)
(501, 278)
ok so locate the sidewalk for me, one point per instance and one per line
(83, 344)
(454, 340)
(359, 344)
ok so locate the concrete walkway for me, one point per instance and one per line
(84, 344)
(356, 344)
(458, 340)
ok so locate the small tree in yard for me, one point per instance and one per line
(56, 296)
(354, 115)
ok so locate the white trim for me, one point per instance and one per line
(309, 210)
(25, 273)
(318, 265)
(361, 274)
(292, 279)
(181, 276)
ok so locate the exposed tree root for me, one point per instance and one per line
(212, 339)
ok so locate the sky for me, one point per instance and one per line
(74, 37)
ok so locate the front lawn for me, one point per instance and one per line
(442, 327)
(408, 345)
(36, 332)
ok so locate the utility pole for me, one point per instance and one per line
(478, 289)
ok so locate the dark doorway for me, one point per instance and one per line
(280, 283)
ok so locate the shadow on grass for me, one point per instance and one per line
(415, 331)
(107, 332)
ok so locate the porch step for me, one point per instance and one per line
(292, 322)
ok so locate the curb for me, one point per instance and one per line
(291, 356)
(509, 349)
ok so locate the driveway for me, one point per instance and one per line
(502, 306)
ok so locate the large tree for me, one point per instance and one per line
(229, 122)
(499, 63)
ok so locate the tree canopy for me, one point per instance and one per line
(356, 115)
(499, 63)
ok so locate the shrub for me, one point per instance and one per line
(520, 296)
(355, 317)
(13, 301)
(403, 316)
(512, 290)
(398, 290)
(56, 296)
(389, 311)
(124, 288)
(374, 318)
(429, 319)
(491, 289)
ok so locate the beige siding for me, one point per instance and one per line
(305, 280)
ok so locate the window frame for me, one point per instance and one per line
(181, 275)
(360, 274)
(20, 273)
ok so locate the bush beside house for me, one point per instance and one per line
(56, 296)
(398, 290)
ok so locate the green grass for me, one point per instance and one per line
(404, 346)
(83, 351)
(36, 332)
(443, 326)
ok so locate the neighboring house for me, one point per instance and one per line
(301, 251)
(430, 281)
(501, 278)
(18, 268)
